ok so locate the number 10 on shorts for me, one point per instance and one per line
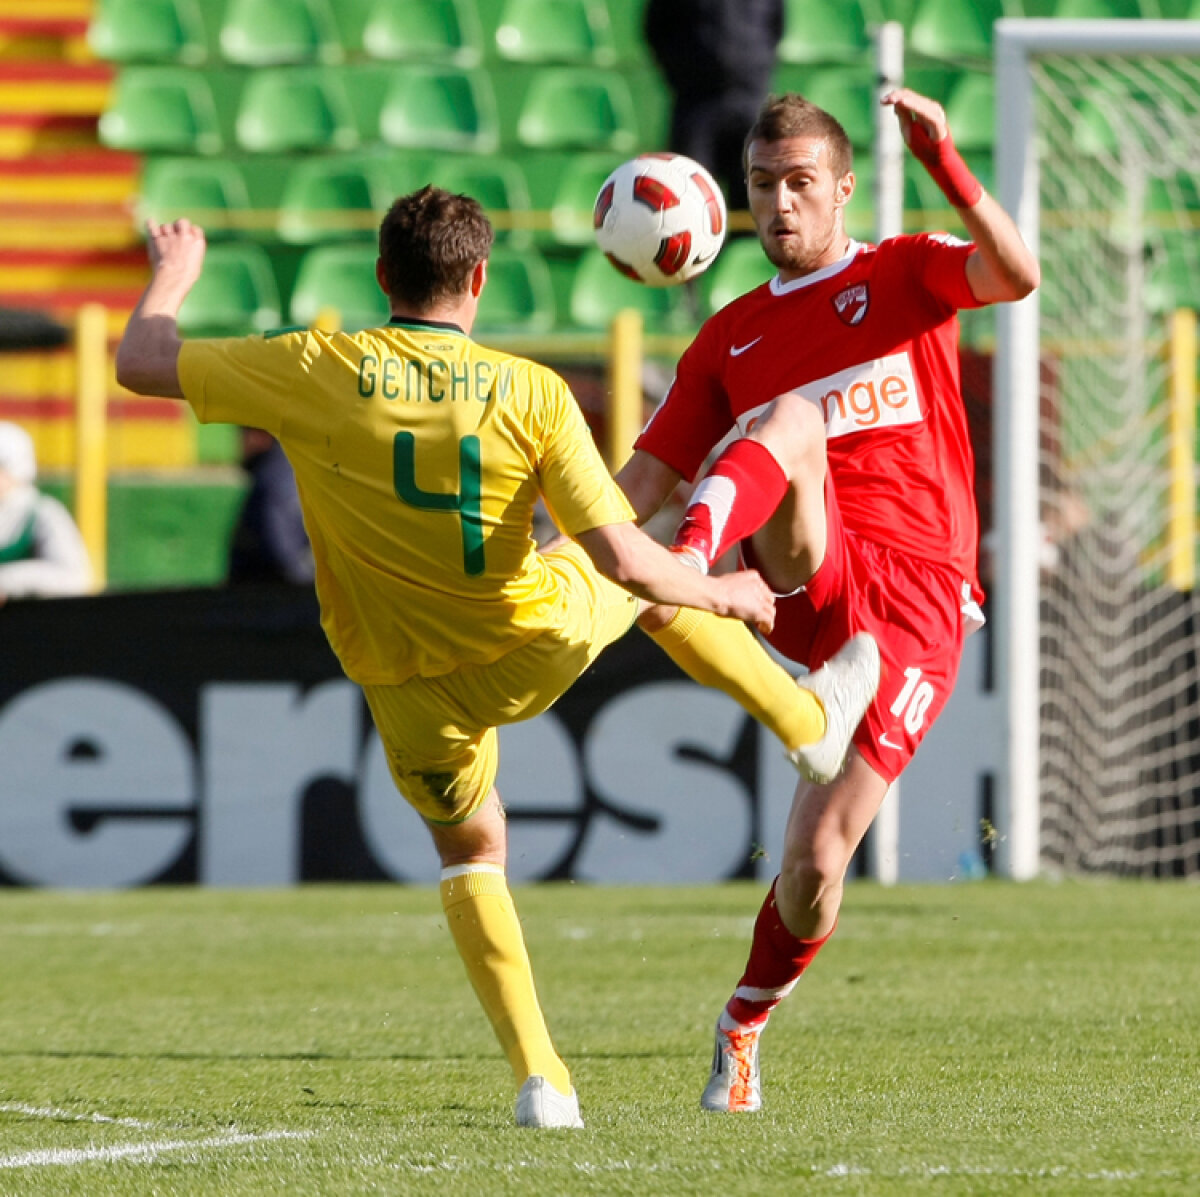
(913, 702)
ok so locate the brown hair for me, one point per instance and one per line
(791, 115)
(429, 243)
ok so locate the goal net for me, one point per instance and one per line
(1098, 148)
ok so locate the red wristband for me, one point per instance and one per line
(946, 168)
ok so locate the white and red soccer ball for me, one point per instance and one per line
(660, 219)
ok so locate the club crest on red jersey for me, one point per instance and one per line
(851, 304)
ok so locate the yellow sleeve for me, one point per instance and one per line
(576, 484)
(242, 380)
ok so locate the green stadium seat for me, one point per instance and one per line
(440, 108)
(210, 192)
(879, 11)
(545, 31)
(599, 291)
(519, 295)
(571, 221)
(935, 80)
(849, 95)
(1097, 10)
(954, 29)
(497, 182)
(578, 108)
(161, 109)
(424, 31)
(341, 278)
(740, 267)
(816, 31)
(236, 293)
(285, 109)
(332, 198)
(272, 32)
(971, 111)
(148, 31)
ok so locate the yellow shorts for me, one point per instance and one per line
(439, 734)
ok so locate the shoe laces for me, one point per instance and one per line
(740, 1053)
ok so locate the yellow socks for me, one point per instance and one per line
(724, 654)
(483, 920)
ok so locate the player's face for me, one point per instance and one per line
(797, 201)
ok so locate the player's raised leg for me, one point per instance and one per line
(770, 486)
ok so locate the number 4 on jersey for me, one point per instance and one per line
(465, 503)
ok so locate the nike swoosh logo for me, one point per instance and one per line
(887, 743)
(738, 350)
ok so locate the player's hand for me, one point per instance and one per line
(177, 250)
(745, 596)
(922, 120)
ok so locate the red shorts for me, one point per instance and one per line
(912, 607)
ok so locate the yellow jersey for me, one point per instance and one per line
(419, 456)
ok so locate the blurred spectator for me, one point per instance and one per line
(42, 554)
(269, 541)
(717, 57)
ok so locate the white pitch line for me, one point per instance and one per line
(138, 1151)
(70, 1116)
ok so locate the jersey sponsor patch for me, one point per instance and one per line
(876, 394)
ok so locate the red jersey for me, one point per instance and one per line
(873, 341)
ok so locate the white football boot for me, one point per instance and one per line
(845, 685)
(734, 1086)
(540, 1104)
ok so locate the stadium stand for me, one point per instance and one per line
(236, 293)
(578, 109)
(440, 108)
(290, 109)
(556, 31)
(519, 297)
(424, 31)
(330, 198)
(598, 293)
(67, 235)
(272, 32)
(338, 278)
(287, 125)
(822, 31)
(212, 192)
(163, 31)
(958, 30)
(161, 109)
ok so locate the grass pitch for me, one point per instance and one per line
(973, 1039)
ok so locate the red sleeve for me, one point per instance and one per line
(944, 269)
(695, 414)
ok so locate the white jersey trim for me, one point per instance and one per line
(778, 287)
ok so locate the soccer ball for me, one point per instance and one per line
(660, 219)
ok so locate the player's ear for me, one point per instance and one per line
(381, 276)
(478, 278)
(844, 189)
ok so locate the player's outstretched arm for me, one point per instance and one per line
(1003, 269)
(632, 559)
(647, 482)
(148, 355)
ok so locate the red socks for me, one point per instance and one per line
(735, 499)
(777, 959)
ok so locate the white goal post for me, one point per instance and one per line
(1094, 449)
